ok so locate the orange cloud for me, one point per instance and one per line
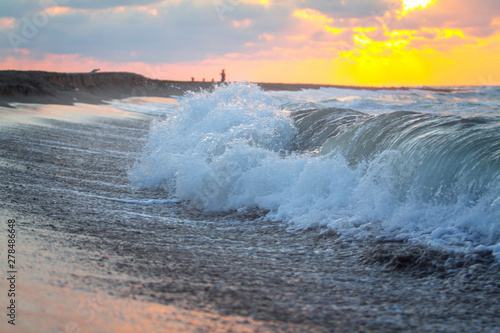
(376, 51)
(419, 42)
(52, 11)
(243, 23)
(153, 11)
(7, 22)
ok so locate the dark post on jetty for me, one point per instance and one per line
(223, 76)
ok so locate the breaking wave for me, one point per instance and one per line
(431, 178)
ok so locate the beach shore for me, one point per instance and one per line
(91, 88)
(95, 255)
(96, 88)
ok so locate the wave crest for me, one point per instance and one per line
(427, 178)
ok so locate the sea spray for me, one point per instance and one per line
(429, 178)
(200, 152)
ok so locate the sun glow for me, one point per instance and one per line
(412, 4)
(409, 42)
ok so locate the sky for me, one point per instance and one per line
(346, 42)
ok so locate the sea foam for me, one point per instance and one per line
(239, 148)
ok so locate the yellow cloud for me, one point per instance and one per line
(264, 2)
(403, 33)
(317, 19)
(334, 30)
(362, 29)
(312, 15)
(409, 5)
(445, 33)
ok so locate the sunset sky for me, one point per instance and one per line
(354, 42)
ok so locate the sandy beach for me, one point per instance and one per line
(95, 255)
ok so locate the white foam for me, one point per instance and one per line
(228, 150)
(472, 101)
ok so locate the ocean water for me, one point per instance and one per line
(416, 165)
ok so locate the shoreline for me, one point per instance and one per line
(97, 255)
(39, 87)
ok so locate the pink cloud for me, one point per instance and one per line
(76, 63)
(476, 17)
(7, 22)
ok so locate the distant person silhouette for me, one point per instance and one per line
(223, 76)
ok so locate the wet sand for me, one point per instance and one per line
(95, 255)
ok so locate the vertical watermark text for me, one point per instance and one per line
(11, 271)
